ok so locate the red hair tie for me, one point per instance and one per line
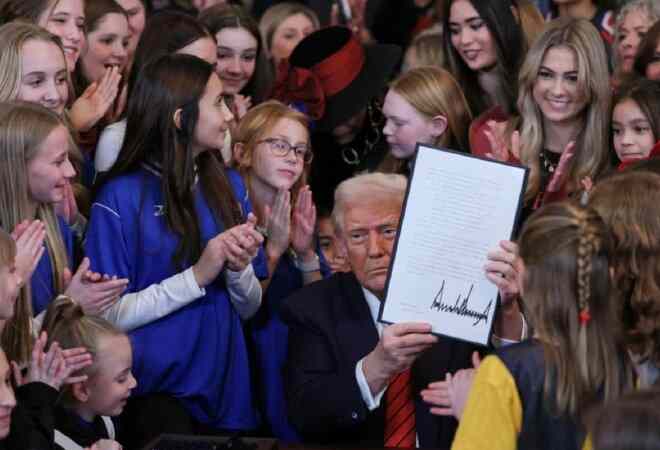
(585, 317)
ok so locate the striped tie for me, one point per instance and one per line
(400, 413)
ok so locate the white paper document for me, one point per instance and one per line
(458, 207)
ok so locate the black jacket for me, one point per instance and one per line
(33, 419)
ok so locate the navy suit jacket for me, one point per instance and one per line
(330, 330)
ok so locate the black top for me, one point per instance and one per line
(32, 420)
(78, 430)
(541, 428)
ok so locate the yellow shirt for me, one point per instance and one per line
(492, 418)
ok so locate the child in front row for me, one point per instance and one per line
(27, 414)
(84, 409)
(532, 394)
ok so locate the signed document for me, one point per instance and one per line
(458, 207)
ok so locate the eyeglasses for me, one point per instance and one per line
(281, 148)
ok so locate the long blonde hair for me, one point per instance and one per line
(433, 91)
(591, 155)
(13, 37)
(572, 306)
(23, 128)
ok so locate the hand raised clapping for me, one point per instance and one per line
(29, 237)
(54, 367)
(94, 292)
(501, 150)
(304, 222)
(234, 248)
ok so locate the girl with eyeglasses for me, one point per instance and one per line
(272, 153)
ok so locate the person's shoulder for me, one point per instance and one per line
(524, 360)
(127, 185)
(320, 297)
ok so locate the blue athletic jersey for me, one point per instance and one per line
(198, 353)
(42, 282)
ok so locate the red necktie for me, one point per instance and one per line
(400, 413)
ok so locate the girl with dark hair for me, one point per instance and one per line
(636, 122)
(107, 42)
(532, 394)
(185, 35)
(242, 64)
(137, 16)
(647, 61)
(484, 47)
(106, 52)
(175, 213)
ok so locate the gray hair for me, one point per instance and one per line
(649, 7)
(365, 189)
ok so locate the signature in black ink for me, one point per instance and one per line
(461, 307)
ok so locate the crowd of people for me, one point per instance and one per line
(199, 203)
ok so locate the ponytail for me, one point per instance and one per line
(66, 323)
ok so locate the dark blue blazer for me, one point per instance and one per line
(330, 330)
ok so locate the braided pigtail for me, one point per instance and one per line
(588, 246)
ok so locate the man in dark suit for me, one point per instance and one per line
(341, 360)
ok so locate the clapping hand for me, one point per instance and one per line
(278, 220)
(235, 248)
(29, 237)
(500, 149)
(304, 221)
(94, 292)
(54, 367)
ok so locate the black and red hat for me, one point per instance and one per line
(334, 75)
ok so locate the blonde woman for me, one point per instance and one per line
(33, 67)
(424, 50)
(563, 102)
(425, 105)
(34, 172)
(66, 20)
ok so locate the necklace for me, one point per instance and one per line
(351, 155)
(549, 160)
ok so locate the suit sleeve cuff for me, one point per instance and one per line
(372, 401)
